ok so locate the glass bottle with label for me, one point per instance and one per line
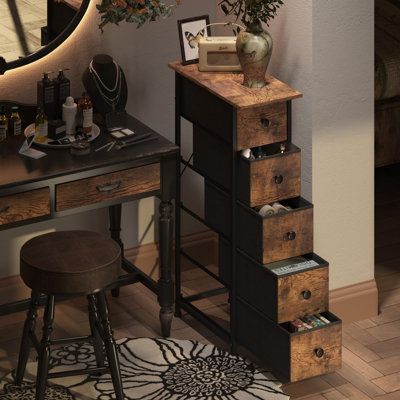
(85, 109)
(41, 126)
(3, 124)
(15, 122)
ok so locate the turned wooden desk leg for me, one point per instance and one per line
(166, 284)
(115, 232)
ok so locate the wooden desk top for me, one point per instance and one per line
(228, 86)
(16, 169)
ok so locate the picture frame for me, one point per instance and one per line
(190, 31)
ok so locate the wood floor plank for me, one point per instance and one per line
(387, 365)
(389, 298)
(386, 331)
(367, 323)
(359, 349)
(355, 362)
(389, 383)
(386, 348)
(360, 334)
(308, 387)
(334, 395)
(391, 314)
(360, 381)
(352, 393)
(389, 396)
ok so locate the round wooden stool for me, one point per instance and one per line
(70, 263)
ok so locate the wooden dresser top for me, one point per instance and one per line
(228, 86)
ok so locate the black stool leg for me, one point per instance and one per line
(29, 329)
(44, 354)
(111, 347)
(94, 327)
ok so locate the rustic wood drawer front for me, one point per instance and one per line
(283, 297)
(270, 179)
(261, 126)
(24, 206)
(279, 236)
(291, 356)
(129, 182)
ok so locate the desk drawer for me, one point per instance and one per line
(291, 356)
(129, 182)
(261, 126)
(24, 206)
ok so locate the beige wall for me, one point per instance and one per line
(343, 137)
(326, 50)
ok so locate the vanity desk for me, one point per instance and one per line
(61, 184)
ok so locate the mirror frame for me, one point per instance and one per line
(44, 51)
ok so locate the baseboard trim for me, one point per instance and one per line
(355, 302)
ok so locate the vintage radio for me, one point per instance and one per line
(218, 53)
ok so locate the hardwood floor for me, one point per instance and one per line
(371, 351)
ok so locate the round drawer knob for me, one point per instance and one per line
(306, 295)
(319, 352)
(290, 236)
(278, 179)
(265, 122)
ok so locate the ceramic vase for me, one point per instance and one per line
(254, 48)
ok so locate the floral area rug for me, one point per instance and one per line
(154, 369)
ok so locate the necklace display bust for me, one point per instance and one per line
(106, 85)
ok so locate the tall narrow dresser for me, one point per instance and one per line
(266, 264)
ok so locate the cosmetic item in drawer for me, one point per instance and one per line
(278, 236)
(284, 290)
(24, 206)
(291, 356)
(117, 185)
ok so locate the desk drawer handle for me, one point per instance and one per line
(108, 187)
(290, 236)
(319, 352)
(306, 294)
(278, 179)
(4, 210)
(265, 122)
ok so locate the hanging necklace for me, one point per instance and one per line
(100, 85)
(117, 77)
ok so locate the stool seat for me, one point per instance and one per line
(70, 262)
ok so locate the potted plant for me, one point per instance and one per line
(133, 11)
(254, 45)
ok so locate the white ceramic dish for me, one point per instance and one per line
(29, 130)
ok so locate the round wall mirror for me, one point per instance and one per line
(29, 30)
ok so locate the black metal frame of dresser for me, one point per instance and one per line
(185, 302)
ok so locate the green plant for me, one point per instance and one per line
(134, 11)
(251, 11)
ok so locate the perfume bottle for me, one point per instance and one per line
(46, 96)
(62, 91)
(41, 126)
(15, 123)
(85, 112)
(3, 124)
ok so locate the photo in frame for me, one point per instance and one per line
(191, 30)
